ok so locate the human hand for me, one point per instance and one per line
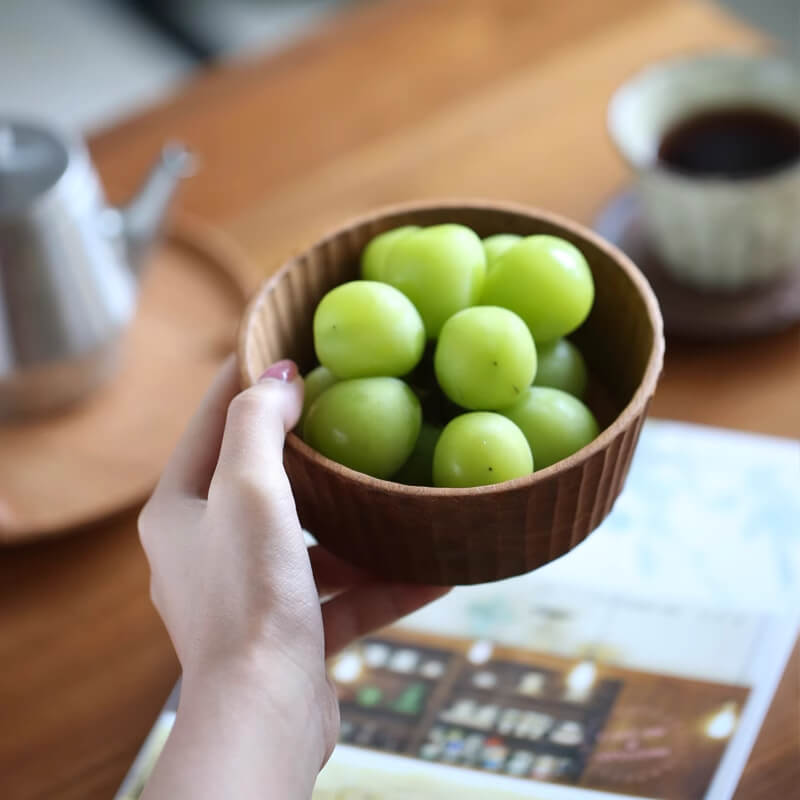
(251, 611)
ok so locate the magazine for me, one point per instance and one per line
(640, 665)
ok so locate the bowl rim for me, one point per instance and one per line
(634, 408)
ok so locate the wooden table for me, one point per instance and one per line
(393, 100)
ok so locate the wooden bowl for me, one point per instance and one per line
(462, 536)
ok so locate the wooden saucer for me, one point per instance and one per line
(691, 313)
(104, 455)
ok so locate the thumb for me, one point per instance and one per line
(257, 422)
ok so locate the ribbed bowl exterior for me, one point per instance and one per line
(464, 536)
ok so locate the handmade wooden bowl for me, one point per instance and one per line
(462, 536)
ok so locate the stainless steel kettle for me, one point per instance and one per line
(69, 265)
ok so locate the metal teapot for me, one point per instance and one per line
(69, 265)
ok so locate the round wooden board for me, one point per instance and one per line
(690, 313)
(60, 472)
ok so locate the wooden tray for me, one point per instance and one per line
(691, 313)
(61, 472)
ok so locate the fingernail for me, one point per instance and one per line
(285, 370)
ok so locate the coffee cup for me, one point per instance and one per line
(715, 227)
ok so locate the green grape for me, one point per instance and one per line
(485, 358)
(368, 424)
(418, 470)
(365, 328)
(545, 280)
(314, 384)
(374, 254)
(555, 423)
(478, 449)
(561, 366)
(495, 246)
(441, 269)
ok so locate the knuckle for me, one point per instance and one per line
(237, 488)
(250, 488)
(252, 402)
(242, 406)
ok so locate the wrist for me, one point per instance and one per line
(283, 709)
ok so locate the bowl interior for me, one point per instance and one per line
(621, 338)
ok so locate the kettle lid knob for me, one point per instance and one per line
(32, 160)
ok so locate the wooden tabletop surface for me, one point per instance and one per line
(389, 101)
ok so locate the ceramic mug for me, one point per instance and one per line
(709, 231)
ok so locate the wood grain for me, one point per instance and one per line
(419, 534)
(61, 471)
(395, 100)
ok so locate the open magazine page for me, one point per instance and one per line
(640, 665)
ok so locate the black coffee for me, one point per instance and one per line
(732, 143)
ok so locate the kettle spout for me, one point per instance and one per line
(143, 216)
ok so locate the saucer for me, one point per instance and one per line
(697, 314)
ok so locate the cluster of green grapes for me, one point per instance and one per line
(446, 365)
